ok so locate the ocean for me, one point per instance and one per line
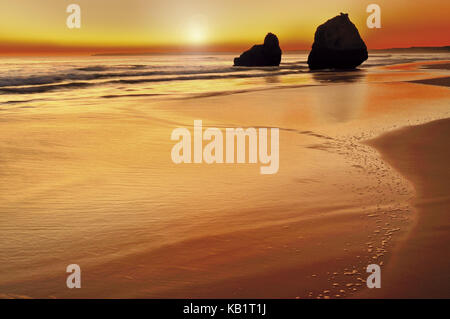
(40, 82)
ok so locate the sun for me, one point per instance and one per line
(197, 29)
(197, 35)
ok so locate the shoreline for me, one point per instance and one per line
(420, 266)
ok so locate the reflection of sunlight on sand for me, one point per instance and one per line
(342, 103)
(401, 97)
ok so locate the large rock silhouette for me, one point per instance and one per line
(267, 54)
(337, 45)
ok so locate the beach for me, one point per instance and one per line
(87, 179)
(421, 153)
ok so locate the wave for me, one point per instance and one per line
(392, 60)
(202, 77)
(113, 96)
(44, 88)
(60, 76)
(91, 73)
(43, 84)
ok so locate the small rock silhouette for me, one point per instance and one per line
(337, 45)
(267, 54)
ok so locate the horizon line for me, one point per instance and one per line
(29, 49)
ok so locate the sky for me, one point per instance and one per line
(38, 26)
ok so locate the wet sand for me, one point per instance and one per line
(420, 266)
(96, 186)
(445, 81)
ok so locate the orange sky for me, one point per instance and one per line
(35, 27)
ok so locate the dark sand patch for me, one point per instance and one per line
(440, 66)
(444, 81)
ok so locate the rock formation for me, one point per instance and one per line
(337, 45)
(267, 54)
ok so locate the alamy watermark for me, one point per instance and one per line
(74, 19)
(74, 279)
(219, 151)
(374, 19)
(374, 279)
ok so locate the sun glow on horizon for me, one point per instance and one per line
(216, 26)
(197, 30)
